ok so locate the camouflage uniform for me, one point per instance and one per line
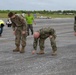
(75, 23)
(19, 25)
(45, 33)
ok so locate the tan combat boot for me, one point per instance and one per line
(17, 49)
(54, 53)
(22, 49)
(41, 52)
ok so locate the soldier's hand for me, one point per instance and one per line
(34, 51)
(50, 36)
(23, 32)
(75, 33)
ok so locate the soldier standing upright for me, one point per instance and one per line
(40, 36)
(19, 29)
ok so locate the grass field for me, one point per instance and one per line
(5, 15)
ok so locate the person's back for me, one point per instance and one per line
(45, 32)
(18, 20)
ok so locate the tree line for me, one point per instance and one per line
(41, 11)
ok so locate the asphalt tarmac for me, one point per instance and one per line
(14, 63)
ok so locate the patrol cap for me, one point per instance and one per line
(10, 14)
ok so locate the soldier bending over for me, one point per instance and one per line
(41, 36)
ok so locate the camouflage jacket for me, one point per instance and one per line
(18, 21)
(44, 33)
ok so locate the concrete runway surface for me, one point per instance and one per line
(27, 64)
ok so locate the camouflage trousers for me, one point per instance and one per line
(52, 41)
(19, 37)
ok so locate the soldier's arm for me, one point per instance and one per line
(35, 43)
(23, 22)
(53, 33)
(13, 26)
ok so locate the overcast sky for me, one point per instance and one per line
(37, 4)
